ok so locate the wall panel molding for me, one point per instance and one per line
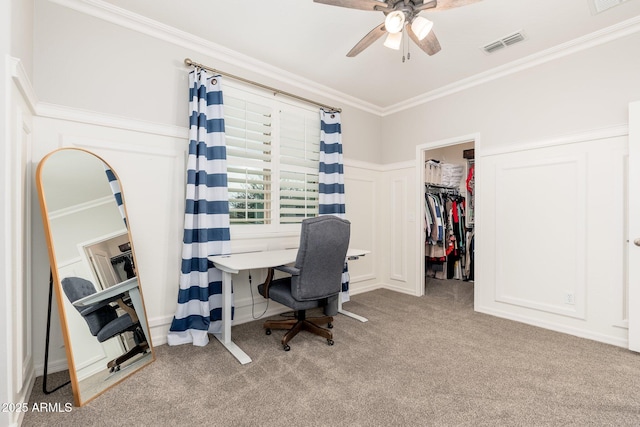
(540, 212)
(60, 112)
(554, 141)
(398, 229)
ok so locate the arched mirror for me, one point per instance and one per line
(93, 267)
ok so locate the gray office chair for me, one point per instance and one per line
(315, 280)
(103, 319)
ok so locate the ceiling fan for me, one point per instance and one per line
(400, 15)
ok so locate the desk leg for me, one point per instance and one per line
(134, 294)
(225, 335)
(348, 313)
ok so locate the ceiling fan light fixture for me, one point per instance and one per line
(393, 41)
(421, 27)
(394, 22)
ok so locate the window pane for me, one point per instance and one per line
(299, 156)
(258, 153)
(249, 142)
(298, 196)
(249, 196)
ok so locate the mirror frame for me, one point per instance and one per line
(60, 296)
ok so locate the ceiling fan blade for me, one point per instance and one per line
(367, 40)
(426, 4)
(357, 4)
(444, 4)
(429, 44)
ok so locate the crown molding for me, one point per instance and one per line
(144, 25)
(21, 79)
(124, 18)
(585, 42)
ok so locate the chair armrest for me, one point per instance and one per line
(93, 307)
(267, 283)
(287, 269)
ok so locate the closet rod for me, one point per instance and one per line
(191, 63)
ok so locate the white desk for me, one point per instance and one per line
(130, 285)
(233, 264)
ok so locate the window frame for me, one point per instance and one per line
(277, 105)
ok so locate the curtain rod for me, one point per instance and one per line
(191, 63)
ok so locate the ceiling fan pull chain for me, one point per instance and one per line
(404, 42)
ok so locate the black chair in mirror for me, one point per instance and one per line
(103, 318)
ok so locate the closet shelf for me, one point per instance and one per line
(450, 187)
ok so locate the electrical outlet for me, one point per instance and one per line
(569, 298)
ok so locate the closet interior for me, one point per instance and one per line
(449, 212)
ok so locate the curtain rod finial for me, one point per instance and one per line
(188, 61)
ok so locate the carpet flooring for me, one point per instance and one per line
(428, 361)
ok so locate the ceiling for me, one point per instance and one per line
(310, 40)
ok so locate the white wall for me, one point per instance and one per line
(16, 364)
(131, 109)
(97, 90)
(98, 65)
(151, 168)
(589, 89)
(573, 108)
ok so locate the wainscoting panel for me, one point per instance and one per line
(361, 204)
(16, 329)
(541, 233)
(398, 227)
(151, 166)
(552, 246)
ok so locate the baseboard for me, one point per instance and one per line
(54, 366)
(159, 326)
(577, 332)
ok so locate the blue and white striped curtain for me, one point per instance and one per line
(117, 192)
(206, 220)
(331, 176)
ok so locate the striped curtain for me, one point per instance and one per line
(331, 177)
(117, 193)
(206, 220)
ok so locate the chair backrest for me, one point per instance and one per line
(324, 241)
(76, 288)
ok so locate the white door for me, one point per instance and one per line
(634, 226)
(103, 268)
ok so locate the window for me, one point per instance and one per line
(272, 159)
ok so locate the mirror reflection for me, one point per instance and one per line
(93, 266)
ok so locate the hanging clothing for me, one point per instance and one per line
(445, 232)
(206, 220)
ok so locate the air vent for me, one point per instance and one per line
(509, 40)
(599, 6)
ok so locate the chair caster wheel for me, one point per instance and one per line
(330, 342)
(330, 325)
(267, 331)
(286, 347)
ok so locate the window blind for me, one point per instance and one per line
(249, 166)
(273, 151)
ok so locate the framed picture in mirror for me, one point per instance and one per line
(92, 259)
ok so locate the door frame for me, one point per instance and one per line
(419, 198)
(633, 221)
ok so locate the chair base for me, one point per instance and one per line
(114, 365)
(301, 323)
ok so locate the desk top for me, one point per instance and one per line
(255, 260)
(112, 291)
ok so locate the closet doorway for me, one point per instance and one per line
(447, 220)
